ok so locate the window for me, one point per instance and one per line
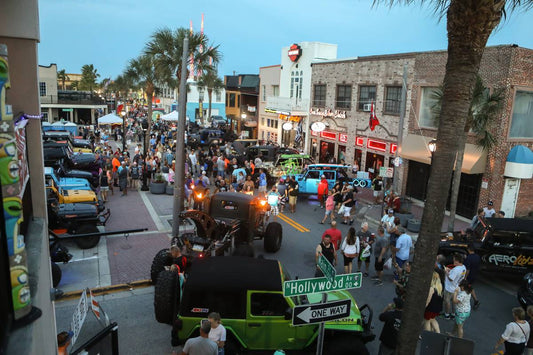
(367, 95)
(218, 96)
(263, 88)
(427, 116)
(45, 116)
(42, 88)
(238, 100)
(232, 100)
(344, 96)
(522, 119)
(275, 90)
(319, 96)
(296, 84)
(393, 98)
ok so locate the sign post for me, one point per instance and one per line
(327, 269)
(322, 312)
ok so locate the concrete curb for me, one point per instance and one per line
(100, 291)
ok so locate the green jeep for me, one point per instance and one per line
(247, 292)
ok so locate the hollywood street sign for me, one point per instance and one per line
(327, 269)
(321, 284)
(321, 312)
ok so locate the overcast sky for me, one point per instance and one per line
(251, 33)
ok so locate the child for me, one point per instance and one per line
(461, 299)
(330, 206)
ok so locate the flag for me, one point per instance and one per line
(299, 132)
(373, 122)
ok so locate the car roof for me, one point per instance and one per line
(511, 224)
(235, 272)
(233, 196)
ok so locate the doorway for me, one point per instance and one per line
(327, 152)
(341, 154)
(374, 162)
(510, 196)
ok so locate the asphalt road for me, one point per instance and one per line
(139, 333)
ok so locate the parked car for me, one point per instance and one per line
(231, 223)
(67, 183)
(56, 153)
(308, 180)
(525, 291)
(63, 172)
(72, 196)
(248, 292)
(289, 164)
(218, 121)
(269, 153)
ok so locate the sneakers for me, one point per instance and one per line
(476, 305)
(351, 221)
(378, 283)
(449, 316)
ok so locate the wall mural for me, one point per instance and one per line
(13, 184)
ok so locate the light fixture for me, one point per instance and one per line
(287, 126)
(318, 126)
(243, 116)
(432, 146)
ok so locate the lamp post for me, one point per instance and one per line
(144, 125)
(243, 117)
(432, 146)
(201, 104)
(123, 114)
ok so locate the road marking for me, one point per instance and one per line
(160, 227)
(293, 223)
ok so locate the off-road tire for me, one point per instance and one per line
(56, 274)
(161, 259)
(244, 249)
(345, 345)
(166, 296)
(272, 238)
(87, 242)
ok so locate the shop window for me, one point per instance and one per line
(263, 89)
(275, 90)
(393, 98)
(367, 95)
(428, 105)
(42, 88)
(238, 100)
(344, 96)
(232, 100)
(218, 96)
(319, 95)
(522, 119)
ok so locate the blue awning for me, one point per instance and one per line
(521, 155)
(519, 163)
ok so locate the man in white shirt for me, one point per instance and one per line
(451, 282)
(403, 247)
(194, 162)
(387, 221)
(489, 210)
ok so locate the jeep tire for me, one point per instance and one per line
(344, 345)
(161, 259)
(56, 274)
(87, 242)
(166, 296)
(272, 237)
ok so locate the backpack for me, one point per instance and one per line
(135, 172)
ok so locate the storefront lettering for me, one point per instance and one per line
(496, 259)
(328, 113)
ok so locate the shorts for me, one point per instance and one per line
(461, 317)
(347, 211)
(376, 193)
(400, 262)
(379, 265)
(292, 200)
(430, 315)
(104, 188)
(448, 297)
(262, 188)
(328, 212)
(347, 259)
(274, 211)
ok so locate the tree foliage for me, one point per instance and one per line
(89, 74)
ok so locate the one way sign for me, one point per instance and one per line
(320, 312)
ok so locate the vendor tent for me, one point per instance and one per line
(173, 116)
(110, 118)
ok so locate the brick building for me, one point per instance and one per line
(344, 91)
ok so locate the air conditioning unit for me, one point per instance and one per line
(367, 107)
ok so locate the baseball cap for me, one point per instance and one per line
(323, 176)
(490, 203)
(391, 210)
(203, 172)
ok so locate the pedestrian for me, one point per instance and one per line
(327, 249)
(516, 333)
(335, 234)
(472, 263)
(273, 200)
(366, 241)
(489, 210)
(201, 345)
(282, 190)
(322, 190)
(433, 304)
(262, 182)
(380, 246)
(461, 300)
(116, 164)
(104, 184)
(293, 194)
(403, 279)
(330, 206)
(348, 201)
(217, 332)
(377, 186)
(178, 258)
(451, 282)
(123, 178)
(392, 317)
(350, 250)
(403, 247)
(135, 174)
(529, 344)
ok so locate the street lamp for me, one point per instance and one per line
(144, 125)
(123, 114)
(432, 146)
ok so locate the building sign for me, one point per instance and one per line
(359, 141)
(393, 148)
(251, 108)
(284, 117)
(328, 135)
(318, 126)
(343, 137)
(295, 52)
(327, 113)
(377, 145)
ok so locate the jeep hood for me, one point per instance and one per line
(74, 184)
(351, 323)
(79, 195)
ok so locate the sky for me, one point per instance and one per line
(250, 33)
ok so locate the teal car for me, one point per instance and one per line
(310, 177)
(66, 183)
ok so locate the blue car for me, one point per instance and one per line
(309, 179)
(67, 183)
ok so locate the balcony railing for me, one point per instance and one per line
(73, 97)
(287, 103)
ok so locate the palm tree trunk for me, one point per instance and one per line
(210, 98)
(466, 42)
(456, 182)
(149, 97)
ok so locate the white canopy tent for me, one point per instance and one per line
(173, 116)
(110, 118)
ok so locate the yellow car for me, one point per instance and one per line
(70, 196)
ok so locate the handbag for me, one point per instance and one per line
(388, 264)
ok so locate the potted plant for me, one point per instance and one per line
(158, 185)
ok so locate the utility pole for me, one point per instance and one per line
(403, 101)
(179, 185)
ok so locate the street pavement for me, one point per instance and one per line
(121, 260)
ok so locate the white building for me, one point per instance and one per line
(293, 102)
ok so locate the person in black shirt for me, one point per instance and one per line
(293, 194)
(392, 317)
(472, 263)
(326, 248)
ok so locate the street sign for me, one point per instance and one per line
(321, 284)
(67, 110)
(321, 312)
(325, 266)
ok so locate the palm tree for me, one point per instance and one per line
(484, 109)
(120, 86)
(143, 72)
(469, 25)
(62, 77)
(88, 77)
(166, 47)
(211, 82)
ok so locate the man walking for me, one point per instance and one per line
(381, 245)
(451, 282)
(327, 249)
(322, 190)
(201, 345)
(293, 194)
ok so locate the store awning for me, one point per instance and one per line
(415, 147)
(519, 163)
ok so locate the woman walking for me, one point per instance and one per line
(516, 333)
(461, 299)
(350, 250)
(104, 184)
(433, 304)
